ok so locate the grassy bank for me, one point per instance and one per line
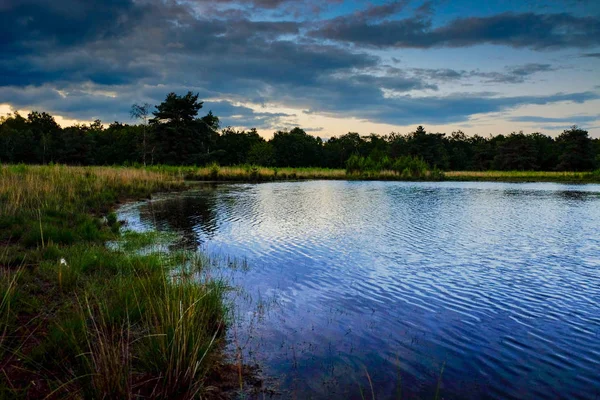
(80, 320)
(524, 176)
(249, 173)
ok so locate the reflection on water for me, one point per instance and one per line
(497, 283)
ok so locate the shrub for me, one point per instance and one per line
(214, 171)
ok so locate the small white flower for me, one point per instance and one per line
(63, 262)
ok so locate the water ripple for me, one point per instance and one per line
(499, 283)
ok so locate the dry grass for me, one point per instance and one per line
(259, 174)
(524, 176)
(249, 173)
(244, 173)
(38, 187)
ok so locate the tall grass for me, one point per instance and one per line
(259, 174)
(8, 284)
(401, 168)
(32, 188)
(253, 173)
(524, 176)
(99, 322)
(183, 324)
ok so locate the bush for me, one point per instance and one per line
(214, 171)
(406, 166)
(355, 164)
(410, 167)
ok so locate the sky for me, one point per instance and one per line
(328, 66)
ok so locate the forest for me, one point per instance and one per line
(175, 134)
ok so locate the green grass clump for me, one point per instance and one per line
(136, 330)
(401, 168)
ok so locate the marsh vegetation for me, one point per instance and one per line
(81, 320)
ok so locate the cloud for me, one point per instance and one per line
(407, 110)
(563, 127)
(591, 55)
(90, 105)
(514, 74)
(379, 11)
(510, 74)
(572, 119)
(234, 115)
(30, 25)
(523, 30)
(426, 9)
(87, 60)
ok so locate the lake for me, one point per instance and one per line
(485, 290)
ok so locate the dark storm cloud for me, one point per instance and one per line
(86, 60)
(591, 55)
(168, 44)
(27, 25)
(529, 30)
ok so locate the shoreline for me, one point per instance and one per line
(238, 174)
(249, 173)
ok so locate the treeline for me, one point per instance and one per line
(174, 134)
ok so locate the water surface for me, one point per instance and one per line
(490, 289)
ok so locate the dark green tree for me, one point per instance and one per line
(296, 148)
(576, 150)
(211, 120)
(460, 151)
(337, 150)
(429, 146)
(45, 130)
(234, 146)
(516, 152)
(177, 109)
(76, 146)
(181, 137)
(261, 153)
(17, 142)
